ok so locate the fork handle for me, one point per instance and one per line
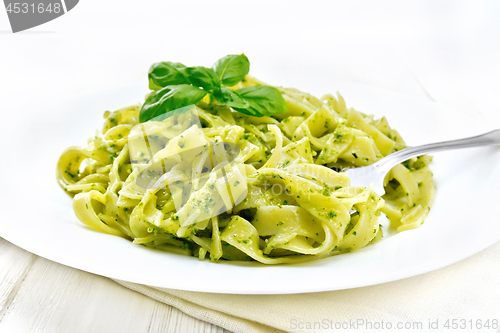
(487, 139)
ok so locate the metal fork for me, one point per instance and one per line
(374, 174)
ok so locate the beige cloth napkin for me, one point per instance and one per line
(467, 292)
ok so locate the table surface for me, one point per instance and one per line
(38, 295)
(447, 52)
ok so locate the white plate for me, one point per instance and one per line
(37, 215)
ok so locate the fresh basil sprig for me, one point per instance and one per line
(176, 85)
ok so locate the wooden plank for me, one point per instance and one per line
(49, 297)
(14, 265)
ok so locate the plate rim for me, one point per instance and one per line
(55, 257)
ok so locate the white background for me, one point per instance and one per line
(451, 47)
(448, 51)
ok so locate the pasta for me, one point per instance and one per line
(214, 183)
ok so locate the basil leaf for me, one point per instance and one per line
(201, 77)
(231, 69)
(262, 100)
(153, 86)
(230, 98)
(168, 99)
(165, 73)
